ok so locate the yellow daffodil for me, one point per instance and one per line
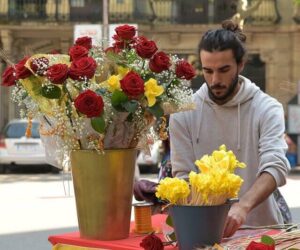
(204, 164)
(152, 90)
(122, 71)
(113, 83)
(174, 190)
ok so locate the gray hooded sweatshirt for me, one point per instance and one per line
(251, 124)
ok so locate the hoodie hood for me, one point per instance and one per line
(246, 92)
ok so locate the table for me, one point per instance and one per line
(70, 241)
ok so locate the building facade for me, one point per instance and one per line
(271, 26)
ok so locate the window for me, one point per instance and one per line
(18, 130)
(77, 3)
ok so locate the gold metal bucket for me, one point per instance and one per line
(103, 185)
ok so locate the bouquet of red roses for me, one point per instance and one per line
(96, 98)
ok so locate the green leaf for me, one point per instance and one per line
(169, 221)
(266, 239)
(98, 123)
(51, 91)
(130, 106)
(118, 97)
(129, 117)
(156, 110)
(175, 81)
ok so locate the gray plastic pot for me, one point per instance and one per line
(198, 226)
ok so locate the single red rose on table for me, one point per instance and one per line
(125, 32)
(9, 77)
(259, 246)
(83, 67)
(21, 71)
(57, 73)
(89, 104)
(159, 62)
(184, 70)
(76, 52)
(152, 242)
(132, 85)
(145, 48)
(84, 41)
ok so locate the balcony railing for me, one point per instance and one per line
(134, 11)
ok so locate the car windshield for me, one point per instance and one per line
(18, 130)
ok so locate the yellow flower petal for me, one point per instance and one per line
(113, 83)
(152, 90)
(122, 71)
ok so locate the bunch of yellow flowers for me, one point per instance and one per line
(174, 190)
(215, 183)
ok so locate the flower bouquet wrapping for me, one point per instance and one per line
(95, 98)
(199, 207)
(96, 105)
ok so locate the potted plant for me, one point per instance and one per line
(199, 208)
(97, 106)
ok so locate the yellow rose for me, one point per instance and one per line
(113, 83)
(152, 90)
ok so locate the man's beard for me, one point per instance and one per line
(229, 92)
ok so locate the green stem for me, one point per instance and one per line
(69, 106)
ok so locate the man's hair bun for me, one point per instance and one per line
(233, 27)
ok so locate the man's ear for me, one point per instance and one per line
(241, 66)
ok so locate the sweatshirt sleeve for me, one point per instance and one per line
(272, 146)
(182, 153)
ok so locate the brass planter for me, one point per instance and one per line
(103, 185)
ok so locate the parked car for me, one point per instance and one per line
(17, 149)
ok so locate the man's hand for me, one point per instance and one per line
(236, 217)
(144, 190)
(264, 185)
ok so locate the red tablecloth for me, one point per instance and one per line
(133, 242)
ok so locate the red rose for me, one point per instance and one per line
(83, 67)
(184, 70)
(21, 71)
(125, 32)
(57, 73)
(259, 246)
(145, 48)
(152, 242)
(132, 85)
(159, 62)
(89, 103)
(119, 45)
(76, 52)
(84, 41)
(39, 65)
(9, 77)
